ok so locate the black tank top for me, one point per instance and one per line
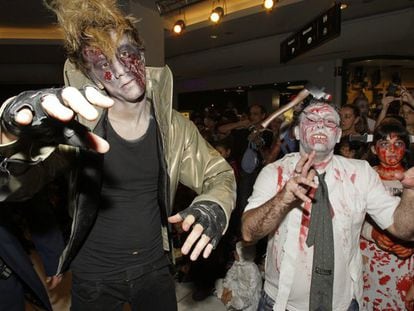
(127, 231)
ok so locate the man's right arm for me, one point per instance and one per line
(259, 222)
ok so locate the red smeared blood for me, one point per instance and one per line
(108, 76)
(137, 67)
(384, 280)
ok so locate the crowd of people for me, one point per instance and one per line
(105, 180)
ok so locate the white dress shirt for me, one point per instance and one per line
(354, 190)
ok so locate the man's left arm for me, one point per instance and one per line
(403, 225)
(212, 178)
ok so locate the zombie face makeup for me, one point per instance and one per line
(390, 151)
(123, 75)
(319, 129)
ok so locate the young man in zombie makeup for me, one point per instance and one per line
(286, 202)
(124, 172)
(388, 262)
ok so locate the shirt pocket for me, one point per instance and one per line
(349, 213)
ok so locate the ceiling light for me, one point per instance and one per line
(295, 87)
(344, 6)
(268, 4)
(216, 14)
(179, 26)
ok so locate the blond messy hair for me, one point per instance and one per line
(89, 23)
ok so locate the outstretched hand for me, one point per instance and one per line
(64, 108)
(207, 220)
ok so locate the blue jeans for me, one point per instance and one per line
(266, 303)
(154, 290)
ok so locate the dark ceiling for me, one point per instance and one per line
(243, 43)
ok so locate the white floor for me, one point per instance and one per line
(186, 303)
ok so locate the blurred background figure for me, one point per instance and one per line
(351, 120)
(351, 149)
(224, 147)
(363, 105)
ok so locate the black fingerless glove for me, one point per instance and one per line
(210, 216)
(42, 129)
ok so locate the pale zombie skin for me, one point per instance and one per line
(390, 152)
(123, 75)
(319, 130)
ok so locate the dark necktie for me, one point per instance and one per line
(320, 236)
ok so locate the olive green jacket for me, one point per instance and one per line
(187, 159)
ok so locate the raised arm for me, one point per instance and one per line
(260, 221)
(386, 101)
(227, 128)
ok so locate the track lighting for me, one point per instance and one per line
(268, 4)
(179, 26)
(344, 6)
(217, 14)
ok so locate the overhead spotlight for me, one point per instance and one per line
(344, 6)
(179, 26)
(268, 4)
(217, 14)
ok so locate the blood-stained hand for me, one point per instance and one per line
(302, 180)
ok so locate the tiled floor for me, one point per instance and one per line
(186, 303)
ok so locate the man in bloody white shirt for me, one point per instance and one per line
(280, 208)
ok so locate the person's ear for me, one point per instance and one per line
(338, 135)
(373, 150)
(296, 132)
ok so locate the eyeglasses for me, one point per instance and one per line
(314, 119)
